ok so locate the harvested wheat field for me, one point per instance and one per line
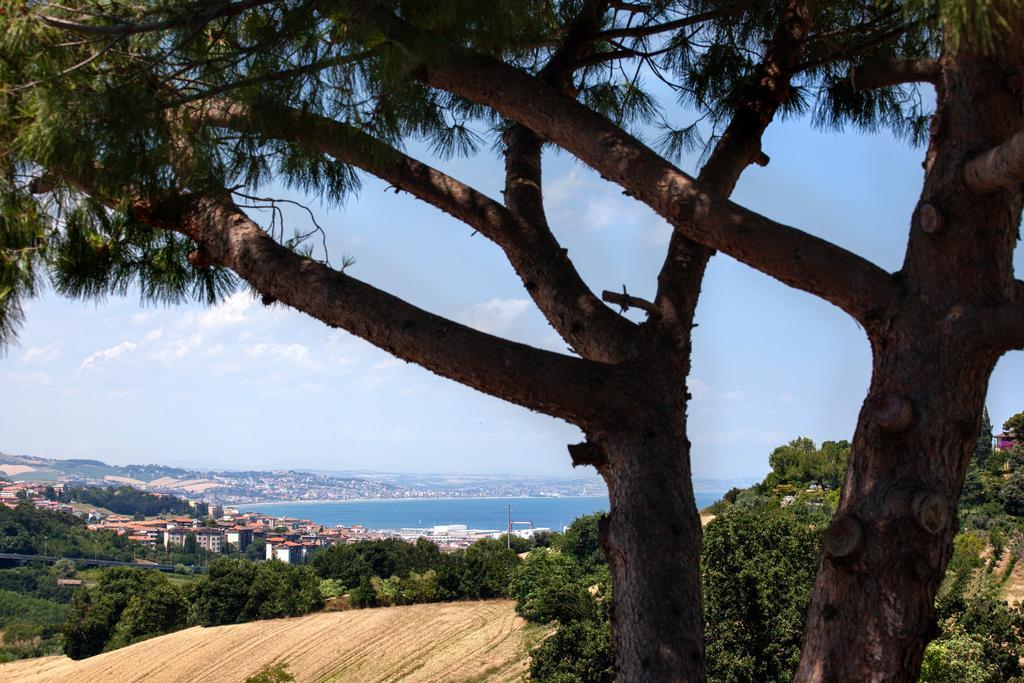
(461, 641)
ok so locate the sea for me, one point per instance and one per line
(476, 513)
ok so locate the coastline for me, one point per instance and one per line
(477, 512)
(425, 498)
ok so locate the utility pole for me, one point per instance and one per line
(508, 535)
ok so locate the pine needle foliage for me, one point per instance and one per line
(102, 90)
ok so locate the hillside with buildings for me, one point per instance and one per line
(233, 487)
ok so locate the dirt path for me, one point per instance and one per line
(463, 641)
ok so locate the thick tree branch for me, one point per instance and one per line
(739, 146)
(593, 329)
(794, 257)
(998, 168)
(557, 385)
(896, 72)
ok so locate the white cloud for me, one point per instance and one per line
(280, 387)
(230, 312)
(787, 397)
(496, 315)
(565, 188)
(178, 348)
(296, 353)
(731, 396)
(153, 336)
(600, 212)
(41, 355)
(108, 354)
(29, 377)
(579, 199)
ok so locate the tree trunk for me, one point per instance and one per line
(885, 553)
(652, 538)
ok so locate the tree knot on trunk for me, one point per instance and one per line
(845, 538)
(893, 413)
(931, 511)
(930, 218)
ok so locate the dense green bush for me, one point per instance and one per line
(569, 585)
(580, 652)
(757, 570)
(96, 611)
(393, 572)
(981, 636)
(802, 462)
(351, 563)
(127, 605)
(160, 608)
(549, 586)
(581, 541)
(489, 569)
(235, 591)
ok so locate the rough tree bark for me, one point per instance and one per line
(887, 549)
(656, 598)
(644, 456)
(937, 327)
(872, 611)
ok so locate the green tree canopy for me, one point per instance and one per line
(758, 569)
(1015, 425)
(802, 462)
(95, 612)
(236, 590)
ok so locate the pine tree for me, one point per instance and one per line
(983, 448)
(133, 134)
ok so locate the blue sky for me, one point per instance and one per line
(244, 386)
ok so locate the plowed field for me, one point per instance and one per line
(463, 641)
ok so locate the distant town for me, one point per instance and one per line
(215, 529)
(206, 521)
(242, 487)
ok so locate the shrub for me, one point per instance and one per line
(757, 571)
(549, 586)
(272, 673)
(581, 651)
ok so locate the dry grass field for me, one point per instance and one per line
(463, 641)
